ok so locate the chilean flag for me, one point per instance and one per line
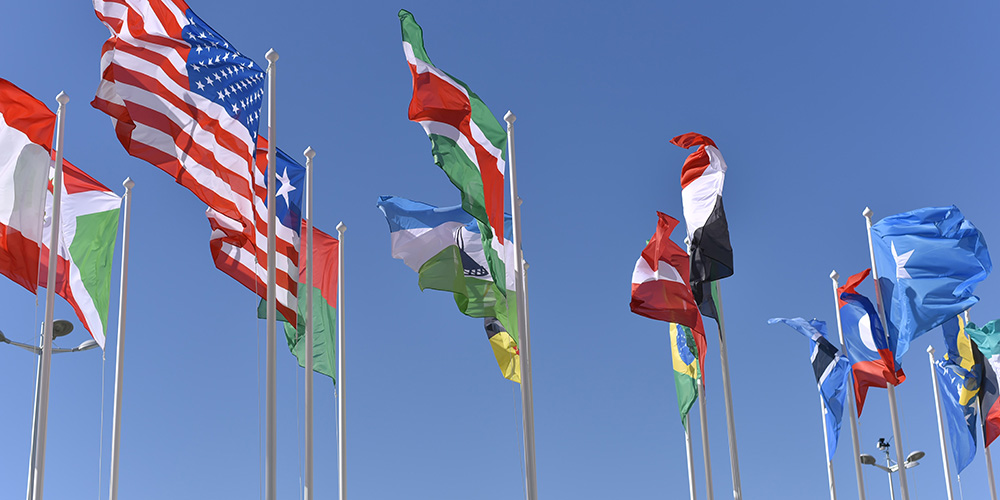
(872, 358)
(660, 287)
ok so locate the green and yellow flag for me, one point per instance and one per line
(685, 360)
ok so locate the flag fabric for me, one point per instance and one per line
(467, 141)
(244, 259)
(26, 128)
(987, 339)
(445, 247)
(831, 369)
(702, 178)
(873, 361)
(324, 290)
(660, 288)
(88, 229)
(931, 260)
(959, 374)
(684, 353)
(183, 99)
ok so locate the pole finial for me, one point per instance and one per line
(341, 227)
(271, 56)
(834, 275)
(868, 213)
(128, 183)
(509, 117)
(310, 152)
(930, 349)
(62, 98)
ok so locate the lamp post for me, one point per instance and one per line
(60, 328)
(890, 467)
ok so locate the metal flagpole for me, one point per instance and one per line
(897, 433)
(50, 295)
(734, 458)
(690, 455)
(116, 423)
(850, 396)
(524, 340)
(705, 450)
(940, 422)
(309, 153)
(271, 391)
(34, 414)
(829, 459)
(341, 391)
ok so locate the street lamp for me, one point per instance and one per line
(890, 466)
(60, 328)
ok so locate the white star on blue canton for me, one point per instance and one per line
(284, 187)
(200, 86)
(901, 272)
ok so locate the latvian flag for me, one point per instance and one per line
(702, 177)
(660, 284)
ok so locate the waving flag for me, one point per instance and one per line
(467, 141)
(930, 261)
(445, 247)
(660, 287)
(182, 98)
(26, 128)
(245, 260)
(702, 178)
(987, 339)
(830, 368)
(872, 359)
(960, 374)
(684, 353)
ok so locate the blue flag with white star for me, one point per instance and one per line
(290, 176)
(929, 261)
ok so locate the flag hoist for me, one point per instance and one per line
(834, 276)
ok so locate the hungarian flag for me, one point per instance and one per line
(445, 247)
(467, 141)
(26, 128)
(988, 340)
(88, 228)
(702, 177)
(660, 284)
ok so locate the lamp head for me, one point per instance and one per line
(914, 456)
(867, 459)
(61, 328)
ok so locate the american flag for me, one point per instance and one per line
(182, 98)
(246, 260)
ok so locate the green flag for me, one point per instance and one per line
(685, 361)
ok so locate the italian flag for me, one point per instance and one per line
(89, 223)
(467, 141)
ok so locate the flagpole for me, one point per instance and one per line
(850, 397)
(690, 455)
(116, 423)
(50, 295)
(271, 391)
(706, 452)
(826, 446)
(34, 414)
(890, 388)
(524, 340)
(734, 458)
(940, 422)
(341, 391)
(309, 153)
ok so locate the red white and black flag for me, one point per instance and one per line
(702, 177)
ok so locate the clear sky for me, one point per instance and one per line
(819, 109)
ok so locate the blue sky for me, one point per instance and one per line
(820, 110)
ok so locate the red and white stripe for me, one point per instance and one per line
(245, 260)
(702, 178)
(145, 89)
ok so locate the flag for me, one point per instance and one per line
(987, 339)
(183, 99)
(684, 353)
(26, 128)
(960, 375)
(931, 260)
(245, 260)
(445, 247)
(872, 359)
(88, 229)
(467, 141)
(660, 287)
(324, 290)
(702, 177)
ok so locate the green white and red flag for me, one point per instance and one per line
(467, 141)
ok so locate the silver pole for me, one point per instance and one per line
(897, 433)
(116, 423)
(989, 469)
(850, 395)
(271, 391)
(524, 340)
(940, 422)
(50, 295)
(734, 458)
(888, 464)
(690, 455)
(706, 452)
(341, 386)
(310, 153)
(34, 415)
(829, 459)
